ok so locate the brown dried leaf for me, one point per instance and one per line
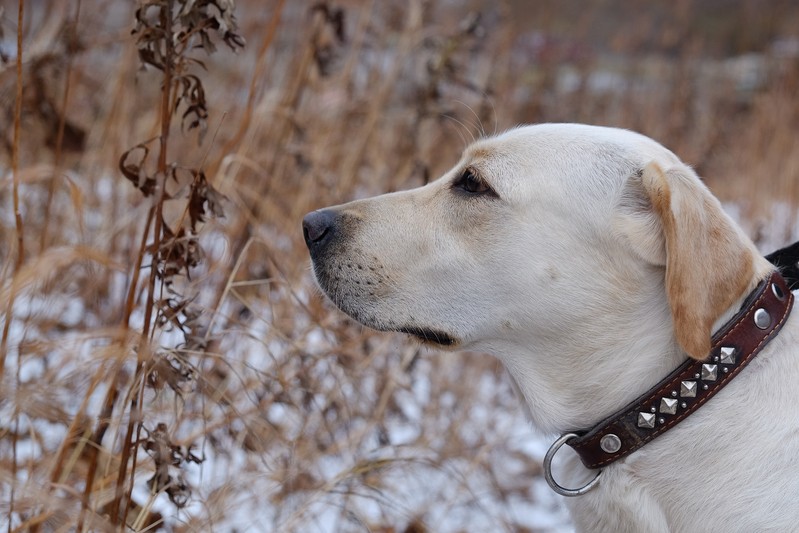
(203, 198)
(133, 168)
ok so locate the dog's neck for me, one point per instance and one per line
(594, 369)
(568, 383)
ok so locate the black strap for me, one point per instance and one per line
(787, 261)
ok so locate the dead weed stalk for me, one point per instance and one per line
(168, 32)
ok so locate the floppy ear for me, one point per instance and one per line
(709, 261)
(638, 223)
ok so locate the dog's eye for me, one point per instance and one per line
(471, 183)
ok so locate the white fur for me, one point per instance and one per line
(562, 277)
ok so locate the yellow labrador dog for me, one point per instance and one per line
(592, 262)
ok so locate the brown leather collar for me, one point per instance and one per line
(693, 383)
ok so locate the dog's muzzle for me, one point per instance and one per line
(356, 282)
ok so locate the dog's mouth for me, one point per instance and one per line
(430, 335)
(349, 295)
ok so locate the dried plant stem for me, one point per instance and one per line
(20, 250)
(62, 120)
(104, 419)
(258, 74)
(130, 445)
(284, 135)
(15, 190)
(15, 157)
(77, 432)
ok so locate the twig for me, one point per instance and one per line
(104, 419)
(62, 120)
(15, 190)
(129, 445)
(20, 247)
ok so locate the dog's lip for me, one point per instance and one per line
(430, 335)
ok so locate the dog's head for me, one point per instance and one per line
(554, 237)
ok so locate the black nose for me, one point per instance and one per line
(318, 226)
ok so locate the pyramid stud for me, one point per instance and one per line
(688, 389)
(709, 372)
(762, 318)
(668, 406)
(646, 420)
(727, 355)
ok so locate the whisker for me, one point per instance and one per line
(460, 132)
(476, 116)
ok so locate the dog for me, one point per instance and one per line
(592, 262)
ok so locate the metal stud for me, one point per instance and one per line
(610, 443)
(661, 421)
(652, 409)
(727, 355)
(762, 318)
(668, 406)
(696, 376)
(646, 420)
(777, 290)
(725, 369)
(683, 405)
(688, 389)
(674, 394)
(704, 387)
(709, 372)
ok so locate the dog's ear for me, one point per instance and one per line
(637, 221)
(709, 262)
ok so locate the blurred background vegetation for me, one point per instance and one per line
(166, 362)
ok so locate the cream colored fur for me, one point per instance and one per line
(600, 263)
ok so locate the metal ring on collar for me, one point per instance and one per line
(563, 491)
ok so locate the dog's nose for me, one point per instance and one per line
(317, 227)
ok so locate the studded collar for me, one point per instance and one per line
(693, 383)
(688, 387)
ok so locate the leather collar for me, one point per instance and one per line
(693, 383)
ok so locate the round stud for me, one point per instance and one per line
(610, 443)
(725, 369)
(762, 318)
(704, 387)
(652, 409)
(715, 358)
(777, 290)
(674, 394)
(660, 420)
(683, 405)
(696, 375)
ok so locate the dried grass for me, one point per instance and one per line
(167, 368)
